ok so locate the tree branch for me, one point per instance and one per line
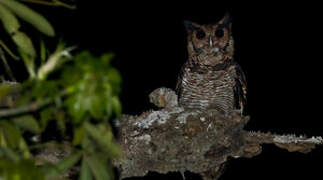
(174, 139)
(25, 109)
(31, 107)
(6, 65)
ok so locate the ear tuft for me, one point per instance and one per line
(189, 25)
(227, 19)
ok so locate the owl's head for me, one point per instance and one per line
(210, 44)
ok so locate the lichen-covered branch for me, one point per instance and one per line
(175, 139)
(290, 142)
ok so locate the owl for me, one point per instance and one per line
(211, 79)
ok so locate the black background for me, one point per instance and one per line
(278, 46)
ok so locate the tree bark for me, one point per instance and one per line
(174, 139)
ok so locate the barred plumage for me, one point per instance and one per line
(210, 79)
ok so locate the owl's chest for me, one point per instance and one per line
(202, 89)
(201, 81)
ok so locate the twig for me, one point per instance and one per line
(53, 3)
(3, 45)
(34, 106)
(7, 67)
(24, 109)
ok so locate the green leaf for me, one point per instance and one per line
(94, 83)
(43, 52)
(106, 58)
(103, 136)
(30, 16)
(23, 147)
(9, 20)
(94, 132)
(44, 89)
(27, 122)
(76, 107)
(3, 141)
(29, 62)
(6, 88)
(114, 76)
(69, 161)
(85, 171)
(64, 165)
(24, 44)
(98, 168)
(96, 107)
(10, 154)
(60, 120)
(46, 115)
(107, 95)
(23, 170)
(78, 136)
(116, 105)
(14, 139)
(11, 133)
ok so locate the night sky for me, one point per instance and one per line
(279, 49)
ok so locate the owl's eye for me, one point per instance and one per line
(200, 34)
(219, 33)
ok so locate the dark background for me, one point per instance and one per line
(278, 46)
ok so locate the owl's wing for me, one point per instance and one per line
(178, 88)
(240, 88)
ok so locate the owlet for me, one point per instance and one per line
(211, 79)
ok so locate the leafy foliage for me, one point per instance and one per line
(24, 169)
(30, 16)
(9, 11)
(77, 93)
(83, 93)
(95, 86)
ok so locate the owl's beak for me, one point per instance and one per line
(211, 42)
